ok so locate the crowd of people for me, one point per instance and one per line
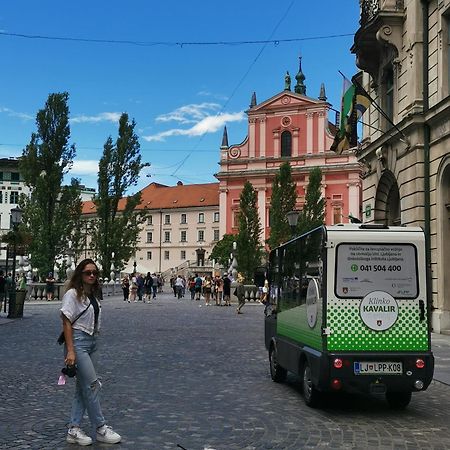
(136, 287)
(213, 289)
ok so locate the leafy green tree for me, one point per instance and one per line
(116, 228)
(284, 197)
(222, 250)
(313, 212)
(249, 248)
(52, 210)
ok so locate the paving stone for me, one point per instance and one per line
(176, 374)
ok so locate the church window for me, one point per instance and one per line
(286, 143)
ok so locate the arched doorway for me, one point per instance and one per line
(387, 201)
(443, 246)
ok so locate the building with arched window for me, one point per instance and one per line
(290, 126)
(403, 49)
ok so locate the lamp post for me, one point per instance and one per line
(16, 219)
(292, 217)
(134, 267)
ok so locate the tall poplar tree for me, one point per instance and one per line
(116, 228)
(283, 199)
(52, 210)
(313, 212)
(249, 248)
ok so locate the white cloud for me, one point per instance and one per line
(208, 124)
(101, 117)
(189, 113)
(210, 94)
(84, 167)
(13, 113)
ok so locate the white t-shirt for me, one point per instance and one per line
(72, 307)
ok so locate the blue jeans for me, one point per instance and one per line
(87, 391)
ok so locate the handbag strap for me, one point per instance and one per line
(81, 313)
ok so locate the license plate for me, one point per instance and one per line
(378, 368)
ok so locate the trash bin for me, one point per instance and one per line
(16, 302)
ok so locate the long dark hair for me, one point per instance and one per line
(76, 282)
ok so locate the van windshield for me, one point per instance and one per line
(363, 268)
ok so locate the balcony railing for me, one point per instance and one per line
(369, 9)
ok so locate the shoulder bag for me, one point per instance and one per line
(61, 339)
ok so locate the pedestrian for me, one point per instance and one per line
(23, 282)
(50, 286)
(198, 286)
(191, 285)
(2, 289)
(154, 285)
(219, 290)
(226, 289)
(82, 302)
(133, 290)
(179, 286)
(207, 289)
(126, 288)
(148, 283)
(160, 282)
(240, 293)
(140, 286)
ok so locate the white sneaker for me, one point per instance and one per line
(108, 435)
(76, 435)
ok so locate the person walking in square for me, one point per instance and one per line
(240, 293)
(81, 313)
(226, 289)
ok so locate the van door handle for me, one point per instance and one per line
(422, 310)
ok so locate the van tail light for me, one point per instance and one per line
(420, 363)
(336, 384)
(337, 363)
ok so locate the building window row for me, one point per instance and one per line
(183, 236)
(10, 176)
(13, 197)
(183, 218)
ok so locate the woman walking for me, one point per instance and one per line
(125, 288)
(81, 316)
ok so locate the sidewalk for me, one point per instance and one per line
(440, 343)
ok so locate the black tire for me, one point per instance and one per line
(398, 400)
(310, 394)
(277, 373)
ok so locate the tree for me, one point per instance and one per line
(283, 199)
(313, 212)
(116, 229)
(222, 250)
(52, 210)
(249, 248)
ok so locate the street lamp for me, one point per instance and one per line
(16, 219)
(292, 217)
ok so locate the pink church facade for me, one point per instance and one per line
(287, 127)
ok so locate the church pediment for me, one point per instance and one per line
(286, 99)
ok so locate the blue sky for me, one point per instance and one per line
(181, 96)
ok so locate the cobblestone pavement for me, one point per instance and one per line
(177, 373)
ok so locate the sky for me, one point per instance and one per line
(181, 69)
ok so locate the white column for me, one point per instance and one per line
(262, 137)
(262, 212)
(353, 199)
(309, 132)
(251, 137)
(321, 132)
(223, 212)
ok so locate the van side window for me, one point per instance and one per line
(300, 261)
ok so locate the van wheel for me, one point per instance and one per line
(277, 372)
(398, 400)
(310, 393)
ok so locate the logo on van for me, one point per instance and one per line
(378, 310)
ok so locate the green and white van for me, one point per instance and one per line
(351, 312)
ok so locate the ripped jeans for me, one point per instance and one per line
(87, 391)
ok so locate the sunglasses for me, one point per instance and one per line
(90, 273)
